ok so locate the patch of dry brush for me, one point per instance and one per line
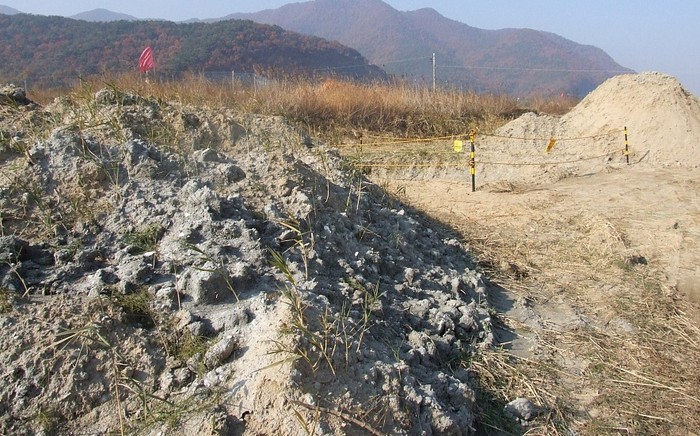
(335, 109)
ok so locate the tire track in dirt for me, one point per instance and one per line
(687, 275)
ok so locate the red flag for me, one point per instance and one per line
(146, 60)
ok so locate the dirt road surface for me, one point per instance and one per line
(655, 213)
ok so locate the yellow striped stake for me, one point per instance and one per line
(550, 146)
(458, 146)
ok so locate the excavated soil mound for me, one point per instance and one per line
(180, 270)
(662, 119)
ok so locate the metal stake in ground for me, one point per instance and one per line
(472, 158)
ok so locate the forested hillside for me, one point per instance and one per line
(513, 61)
(56, 50)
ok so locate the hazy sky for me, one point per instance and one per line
(645, 35)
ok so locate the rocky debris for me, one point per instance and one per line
(13, 95)
(227, 259)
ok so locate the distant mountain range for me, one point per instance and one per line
(514, 61)
(103, 15)
(56, 51)
(8, 10)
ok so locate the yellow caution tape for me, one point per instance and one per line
(561, 162)
(389, 165)
(407, 141)
(573, 138)
(472, 137)
(471, 163)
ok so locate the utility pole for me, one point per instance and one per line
(433, 72)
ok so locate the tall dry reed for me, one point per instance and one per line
(335, 107)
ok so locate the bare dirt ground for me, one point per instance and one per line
(595, 278)
(654, 213)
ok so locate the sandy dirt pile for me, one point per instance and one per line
(662, 118)
(177, 270)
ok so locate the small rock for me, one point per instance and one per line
(207, 155)
(105, 276)
(193, 363)
(166, 381)
(182, 318)
(220, 351)
(63, 256)
(181, 377)
(522, 409)
(168, 297)
(409, 275)
(231, 173)
(205, 286)
(197, 328)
